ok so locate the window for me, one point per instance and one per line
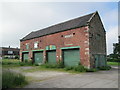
(98, 36)
(27, 46)
(10, 52)
(35, 44)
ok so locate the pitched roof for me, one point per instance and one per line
(9, 48)
(74, 23)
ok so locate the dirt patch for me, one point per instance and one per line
(39, 75)
(26, 67)
(43, 75)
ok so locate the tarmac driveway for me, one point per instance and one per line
(101, 79)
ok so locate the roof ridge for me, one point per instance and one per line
(65, 21)
(66, 25)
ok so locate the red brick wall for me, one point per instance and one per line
(79, 39)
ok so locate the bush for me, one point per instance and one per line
(36, 64)
(28, 63)
(49, 65)
(17, 57)
(68, 68)
(11, 79)
(91, 70)
(113, 60)
(10, 62)
(22, 63)
(80, 68)
(60, 64)
(104, 68)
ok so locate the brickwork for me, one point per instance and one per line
(73, 37)
(91, 39)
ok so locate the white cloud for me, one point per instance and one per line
(19, 19)
(111, 37)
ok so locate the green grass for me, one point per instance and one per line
(11, 79)
(104, 68)
(15, 63)
(12, 63)
(41, 68)
(72, 70)
(113, 63)
(11, 60)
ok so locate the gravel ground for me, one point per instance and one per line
(101, 79)
(55, 79)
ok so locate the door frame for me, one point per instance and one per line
(23, 55)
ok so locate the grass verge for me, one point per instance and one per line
(113, 63)
(69, 69)
(15, 63)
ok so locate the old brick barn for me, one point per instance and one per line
(80, 40)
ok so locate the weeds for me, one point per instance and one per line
(11, 79)
(91, 70)
(49, 65)
(11, 62)
(68, 68)
(80, 68)
(58, 65)
(26, 63)
(104, 68)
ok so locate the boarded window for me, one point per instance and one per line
(27, 46)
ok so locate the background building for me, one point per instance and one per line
(9, 53)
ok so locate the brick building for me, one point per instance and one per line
(80, 40)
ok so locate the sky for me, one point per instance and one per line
(17, 19)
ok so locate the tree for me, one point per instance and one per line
(116, 49)
(115, 56)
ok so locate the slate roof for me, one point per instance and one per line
(9, 48)
(74, 23)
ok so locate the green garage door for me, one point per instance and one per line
(38, 57)
(25, 56)
(51, 57)
(97, 61)
(102, 60)
(71, 57)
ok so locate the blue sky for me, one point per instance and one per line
(20, 18)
